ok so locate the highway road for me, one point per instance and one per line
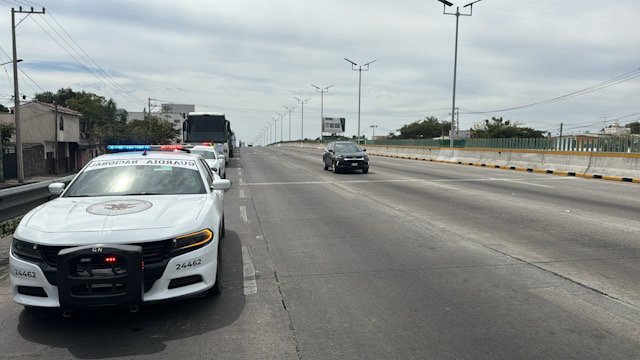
(414, 260)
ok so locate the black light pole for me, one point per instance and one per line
(455, 58)
(359, 69)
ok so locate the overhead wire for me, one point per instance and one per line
(81, 56)
(599, 86)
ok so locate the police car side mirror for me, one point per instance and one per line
(56, 188)
(365, 150)
(220, 184)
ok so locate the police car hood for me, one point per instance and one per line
(116, 213)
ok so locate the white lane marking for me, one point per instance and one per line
(2, 270)
(243, 213)
(241, 194)
(441, 185)
(527, 183)
(400, 181)
(248, 272)
(241, 181)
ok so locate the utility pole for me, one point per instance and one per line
(16, 91)
(373, 131)
(301, 102)
(560, 144)
(289, 110)
(321, 91)
(359, 70)
(55, 146)
(455, 58)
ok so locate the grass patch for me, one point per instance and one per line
(9, 226)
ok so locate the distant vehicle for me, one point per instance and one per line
(129, 229)
(345, 155)
(207, 127)
(214, 159)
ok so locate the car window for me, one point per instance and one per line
(207, 154)
(141, 177)
(343, 148)
(208, 172)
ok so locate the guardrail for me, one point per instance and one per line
(17, 201)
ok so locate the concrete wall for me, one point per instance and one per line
(617, 166)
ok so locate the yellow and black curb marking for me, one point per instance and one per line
(532, 170)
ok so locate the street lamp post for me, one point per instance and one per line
(301, 102)
(359, 69)
(373, 131)
(281, 115)
(321, 91)
(455, 58)
(289, 110)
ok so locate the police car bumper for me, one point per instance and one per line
(187, 274)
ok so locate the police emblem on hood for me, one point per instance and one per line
(119, 207)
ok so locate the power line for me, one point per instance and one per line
(82, 57)
(602, 85)
(88, 69)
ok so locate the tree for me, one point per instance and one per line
(498, 128)
(634, 126)
(6, 132)
(98, 114)
(152, 130)
(4, 109)
(428, 128)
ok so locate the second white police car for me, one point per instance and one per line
(131, 227)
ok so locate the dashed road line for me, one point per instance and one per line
(403, 181)
(243, 213)
(2, 271)
(241, 193)
(248, 272)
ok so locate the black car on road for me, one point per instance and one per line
(345, 155)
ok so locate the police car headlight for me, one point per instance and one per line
(192, 241)
(366, 158)
(25, 249)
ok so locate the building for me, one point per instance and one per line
(177, 113)
(57, 129)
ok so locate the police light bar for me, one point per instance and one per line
(116, 148)
(171, 147)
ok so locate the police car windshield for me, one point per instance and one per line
(207, 154)
(346, 148)
(137, 177)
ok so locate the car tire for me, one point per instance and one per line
(216, 289)
(325, 166)
(365, 170)
(223, 228)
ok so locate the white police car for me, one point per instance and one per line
(214, 159)
(131, 227)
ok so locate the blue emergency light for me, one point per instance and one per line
(115, 148)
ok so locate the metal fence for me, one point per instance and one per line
(17, 201)
(568, 143)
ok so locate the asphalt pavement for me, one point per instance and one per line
(414, 260)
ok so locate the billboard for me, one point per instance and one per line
(333, 125)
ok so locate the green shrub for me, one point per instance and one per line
(9, 226)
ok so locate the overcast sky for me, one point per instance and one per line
(248, 58)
